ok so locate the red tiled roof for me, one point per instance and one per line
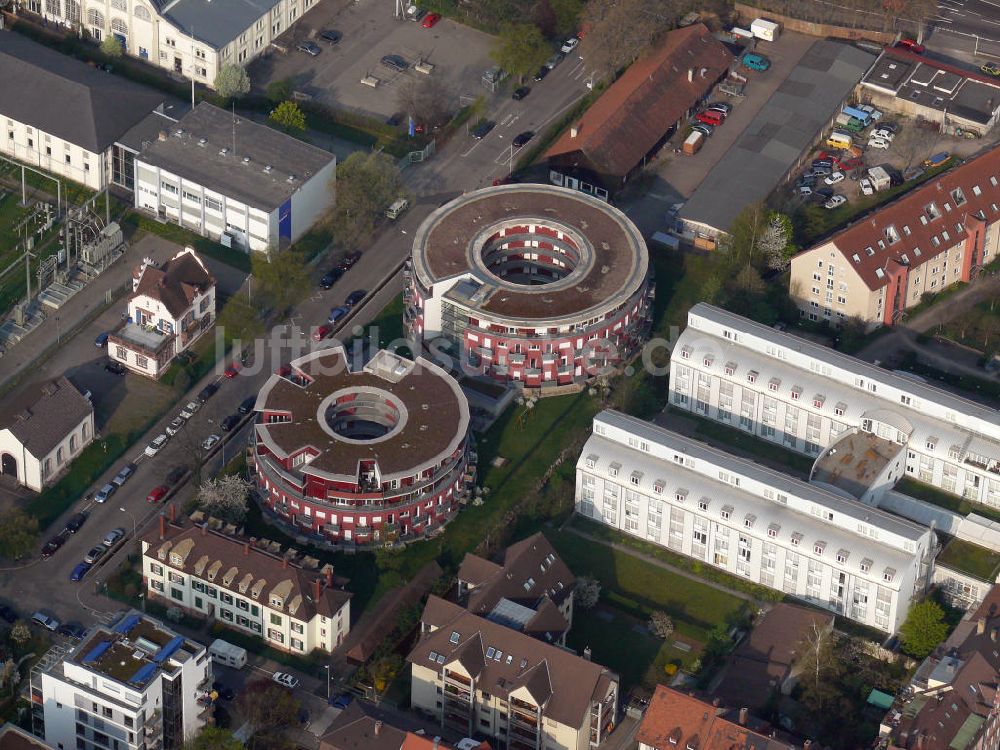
(177, 283)
(629, 118)
(905, 214)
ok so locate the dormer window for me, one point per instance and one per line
(819, 547)
(891, 234)
(773, 384)
(591, 461)
(796, 392)
(703, 503)
(635, 477)
(708, 360)
(818, 400)
(752, 376)
(840, 408)
(842, 556)
(773, 529)
(750, 520)
(726, 512)
(658, 486)
(614, 468)
(686, 352)
(730, 368)
(931, 443)
(958, 196)
(277, 602)
(176, 559)
(681, 495)
(866, 565)
(888, 575)
(931, 212)
(796, 539)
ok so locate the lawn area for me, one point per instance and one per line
(971, 559)
(942, 499)
(640, 587)
(978, 328)
(756, 447)
(230, 256)
(622, 641)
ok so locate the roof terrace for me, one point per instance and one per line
(855, 461)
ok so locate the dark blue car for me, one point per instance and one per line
(79, 571)
(341, 701)
(102, 340)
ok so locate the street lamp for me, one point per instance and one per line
(327, 668)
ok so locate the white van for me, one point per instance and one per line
(224, 652)
(397, 208)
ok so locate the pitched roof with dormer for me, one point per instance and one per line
(176, 283)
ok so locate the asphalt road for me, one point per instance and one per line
(967, 28)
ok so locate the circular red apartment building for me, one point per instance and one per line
(361, 457)
(534, 284)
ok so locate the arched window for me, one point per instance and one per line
(53, 8)
(95, 18)
(141, 13)
(60, 456)
(72, 443)
(118, 26)
(73, 12)
(86, 430)
(120, 5)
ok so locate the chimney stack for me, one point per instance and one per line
(246, 549)
(317, 589)
(690, 74)
(981, 626)
(715, 701)
(163, 527)
(744, 715)
(329, 576)
(173, 512)
(587, 653)
(574, 131)
(284, 563)
(437, 742)
(378, 728)
(807, 745)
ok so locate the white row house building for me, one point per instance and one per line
(192, 38)
(755, 523)
(866, 426)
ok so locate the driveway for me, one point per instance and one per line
(458, 53)
(672, 178)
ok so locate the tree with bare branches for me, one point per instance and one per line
(621, 31)
(427, 100)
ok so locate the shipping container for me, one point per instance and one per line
(694, 142)
(879, 178)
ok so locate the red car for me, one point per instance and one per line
(711, 117)
(232, 371)
(430, 19)
(322, 332)
(912, 45)
(156, 494)
(284, 371)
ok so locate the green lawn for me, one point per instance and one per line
(971, 559)
(617, 640)
(942, 499)
(641, 587)
(715, 433)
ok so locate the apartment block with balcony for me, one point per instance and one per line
(800, 538)
(134, 685)
(289, 602)
(171, 307)
(865, 425)
(480, 677)
(880, 266)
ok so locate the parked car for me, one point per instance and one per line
(483, 129)
(725, 107)
(285, 679)
(102, 495)
(175, 475)
(46, 620)
(866, 186)
(113, 537)
(74, 630)
(395, 62)
(76, 521)
(990, 69)
(322, 332)
(834, 178)
(753, 61)
(875, 114)
(8, 613)
(247, 404)
(710, 117)
(883, 133)
(350, 260)
(175, 426)
(124, 475)
(189, 409)
(79, 571)
(341, 701)
(330, 35)
(335, 314)
(879, 143)
(115, 368)
(912, 45)
(95, 554)
(52, 546)
(156, 445)
(553, 61)
(355, 297)
(430, 20)
(704, 128)
(207, 392)
(522, 138)
(837, 200)
(542, 72)
(156, 494)
(232, 371)
(823, 193)
(805, 190)
(230, 422)
(209, 442)
(520, 93)
(102, 340)
(310, 48)
(330, 278)
(569, 45)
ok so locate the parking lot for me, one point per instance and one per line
(458, 53)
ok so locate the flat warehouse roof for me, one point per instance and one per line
(245, 160)
(784, 128)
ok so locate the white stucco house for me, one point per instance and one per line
(171, 306)
(42, 430)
